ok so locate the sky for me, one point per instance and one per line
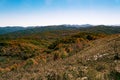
(55, 12)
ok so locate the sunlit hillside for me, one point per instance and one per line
(61, 53)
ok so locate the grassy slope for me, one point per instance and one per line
(29, 54)
(94, 63)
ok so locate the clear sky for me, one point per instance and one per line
(55, 12)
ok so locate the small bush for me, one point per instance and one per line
(56, 55)
(53, 76)
(100, 67)
(14, 67)
(114, 75)
(30, 62)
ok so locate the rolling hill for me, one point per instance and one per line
(61, 53)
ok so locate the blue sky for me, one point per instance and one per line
(55, 12)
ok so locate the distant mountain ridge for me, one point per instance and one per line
(4, 30)
(37, 29)
(32, 29)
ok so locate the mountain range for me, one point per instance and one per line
(32, 29)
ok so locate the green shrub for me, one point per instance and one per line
(30, 62)
(114, 75)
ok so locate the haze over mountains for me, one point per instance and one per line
(10, 29)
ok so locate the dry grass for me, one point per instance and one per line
(95, 62)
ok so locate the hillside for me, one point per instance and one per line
(103, 29)
(96, 62)
(63, 53)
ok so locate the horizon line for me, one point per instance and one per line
(58, 25)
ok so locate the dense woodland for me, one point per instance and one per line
(63, 52)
